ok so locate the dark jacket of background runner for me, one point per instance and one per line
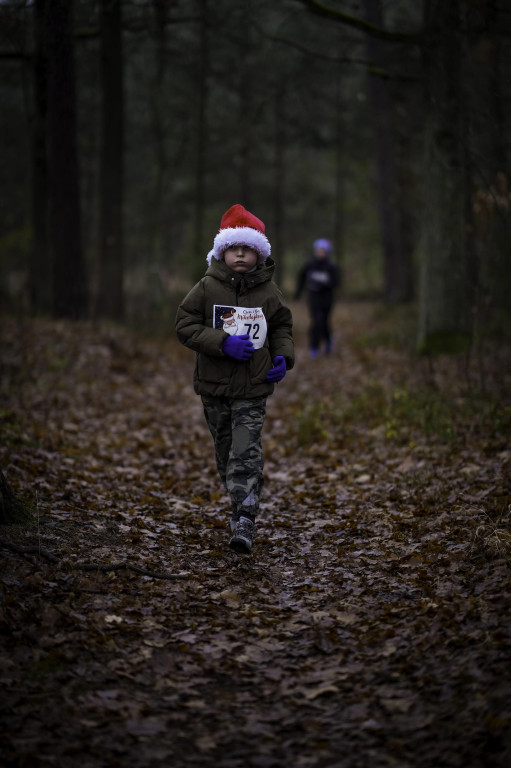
(320, 277)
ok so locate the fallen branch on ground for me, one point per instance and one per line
(30, 551)
(93, 567)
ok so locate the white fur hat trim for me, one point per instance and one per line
(240, 236)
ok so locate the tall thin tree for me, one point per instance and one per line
(396, 263)
(245, 88)
(279, 183)
(111, 293)
(445, 298)
(201, 149)
(70, 292)
(158, 101)
(339, 202)
(40, 272)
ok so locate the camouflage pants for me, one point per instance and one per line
(236, 426)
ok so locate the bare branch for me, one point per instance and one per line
(321, 9)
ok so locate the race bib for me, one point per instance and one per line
(237, 321)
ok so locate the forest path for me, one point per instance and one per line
(371, 624)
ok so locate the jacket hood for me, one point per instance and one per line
(261, 273)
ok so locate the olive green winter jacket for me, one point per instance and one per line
(215, 372)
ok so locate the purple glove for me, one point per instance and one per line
(277, 373)
(238, 347)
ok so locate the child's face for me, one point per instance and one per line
(240, 258)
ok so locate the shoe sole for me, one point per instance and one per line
(240, 546)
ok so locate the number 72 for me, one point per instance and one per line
(255, 326)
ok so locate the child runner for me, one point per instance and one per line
(236, 321)
(320, 275)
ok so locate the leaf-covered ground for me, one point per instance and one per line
(371, 626)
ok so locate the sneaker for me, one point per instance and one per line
(234, 522)
(243, 537)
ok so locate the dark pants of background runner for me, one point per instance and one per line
(236, 427)
(320, 308)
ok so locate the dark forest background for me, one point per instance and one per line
(371, 624)
(128, 127)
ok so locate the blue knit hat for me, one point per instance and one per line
(322, 243)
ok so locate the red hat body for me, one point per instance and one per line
(237, 216)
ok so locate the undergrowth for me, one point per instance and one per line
(401, 412)
(492, 536)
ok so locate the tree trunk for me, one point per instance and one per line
(111, 294)
(396, 263)
(492, 201)
(339, 185)
(200, 167)
(69, 282)
(445, 299)
(279, 167)
(158, 103)
(40, 269)
(245, 106)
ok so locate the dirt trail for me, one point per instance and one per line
(370, 627)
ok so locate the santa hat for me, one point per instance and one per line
(240, 227)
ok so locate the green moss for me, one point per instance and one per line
(311, 425)
(401, 412)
